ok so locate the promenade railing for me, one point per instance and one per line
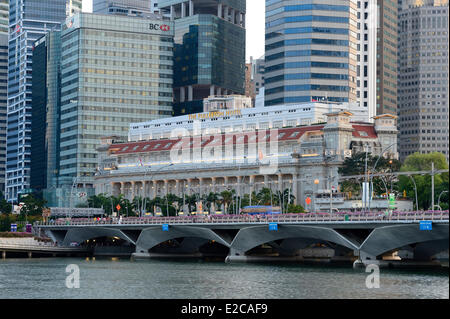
(415, 216)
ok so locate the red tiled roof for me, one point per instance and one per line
(364, 131)
(284, 134)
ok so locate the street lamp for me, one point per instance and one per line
(373, 170)
(415, 189)
(316, 182)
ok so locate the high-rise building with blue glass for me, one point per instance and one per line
(28, 21)
(4, 13)
(209, 57)
(311, 51)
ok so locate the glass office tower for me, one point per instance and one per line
(3, 105)
(311, 51)
(46, 112)
(29, 20)
(115, 70)
(209, 56)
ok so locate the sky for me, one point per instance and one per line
(254, 26)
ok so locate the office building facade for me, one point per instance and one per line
(46, 112)
(3, 105)
(209, 57)
(115, 70)
(4, 16)
(137, 8)
(29, 20)
(311, 52)
(423, 77)
(386, 59)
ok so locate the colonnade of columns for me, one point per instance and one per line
(179, 187)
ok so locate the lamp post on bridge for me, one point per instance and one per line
(373, 170)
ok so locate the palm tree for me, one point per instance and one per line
(212, 199)
(227, 198)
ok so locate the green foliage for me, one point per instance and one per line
(356, 165)
(422, 162)
(295, 209)
(32, 206)
(5, 207)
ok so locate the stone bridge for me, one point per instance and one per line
(420, 235)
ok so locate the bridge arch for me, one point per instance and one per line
(251, 237)
(82, 234)
(388, 238)
(153, 236)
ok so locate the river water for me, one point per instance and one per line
(158, 279)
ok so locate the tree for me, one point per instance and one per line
(32, 206)
(422, 162)
(356, 165)
(5, 207)
(227, 199)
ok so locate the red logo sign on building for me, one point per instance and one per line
(165, 27)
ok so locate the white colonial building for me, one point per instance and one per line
(240, 120)
(242, 153)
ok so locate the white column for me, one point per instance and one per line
(190, 93)
(295, 188)
(243, 20)
(212, 90)
(239, 185)
(166, 187)
(219, 10)
(133, 184)
(122, 189)
(189, 184)
(182, 94)
(172, 13)
(177, 187)
(183, 9)
(233, 16)
(152, 190)
(191, 8)
(280, 182)
(200, 181)
(219, 91)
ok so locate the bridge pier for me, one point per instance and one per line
(3, 254)
(30, 254)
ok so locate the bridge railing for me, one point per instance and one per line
(259, 219)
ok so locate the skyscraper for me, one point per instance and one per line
(387, 61)
(311, 51)
(4, 13)
(423, 77)
(3, 106)
(46, 112)
(28, 21)
(368, 22)
(209, 56)
(115, 70)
